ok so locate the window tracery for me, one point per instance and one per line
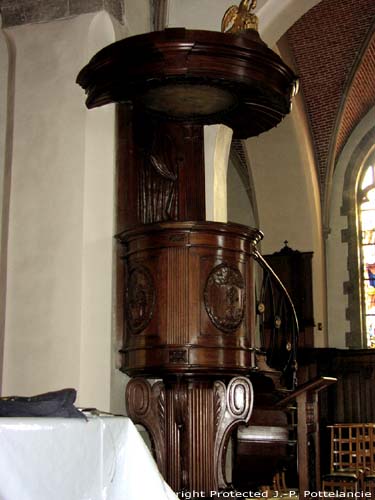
(366, 237)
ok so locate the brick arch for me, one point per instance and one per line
(325, 43)
(360, 96)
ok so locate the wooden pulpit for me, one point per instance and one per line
(188, 294)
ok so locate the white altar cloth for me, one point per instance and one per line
(104, 458)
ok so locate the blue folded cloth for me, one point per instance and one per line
(50, 404)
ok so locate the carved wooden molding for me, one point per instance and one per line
(245, 85)
(233, 406)
(145, 405)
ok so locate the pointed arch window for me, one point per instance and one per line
(366, 226)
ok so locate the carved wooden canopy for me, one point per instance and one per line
(197, 76)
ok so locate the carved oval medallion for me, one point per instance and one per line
(224, 297)
(140, 299)
(240, 397)
(138, 397)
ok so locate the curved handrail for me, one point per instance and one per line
(291, 363)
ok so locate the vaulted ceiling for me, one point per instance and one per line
(333, 46)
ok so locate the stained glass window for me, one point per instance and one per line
(366, 206)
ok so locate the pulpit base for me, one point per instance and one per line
(190, 421)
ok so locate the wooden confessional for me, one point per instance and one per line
(188, 283)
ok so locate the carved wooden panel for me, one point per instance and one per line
(224, 297)
(200, 436)
(176, 312)
(160, 170)
(189, 298)
(140, 298)
(159, 167)
(227, 310)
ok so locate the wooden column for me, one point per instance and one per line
(160, 170)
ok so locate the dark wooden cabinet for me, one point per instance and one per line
(294, 269)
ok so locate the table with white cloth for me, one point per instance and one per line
(103, 458)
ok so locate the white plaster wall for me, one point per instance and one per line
(58, 314)
(42, 335)
(285, 181)
(4, 182)
(58, 319)
(239, 206)
(275, 16)
(217, 141)
(337, 251)
(97, 239)
(137, 17)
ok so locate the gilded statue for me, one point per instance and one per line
(240, 18)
